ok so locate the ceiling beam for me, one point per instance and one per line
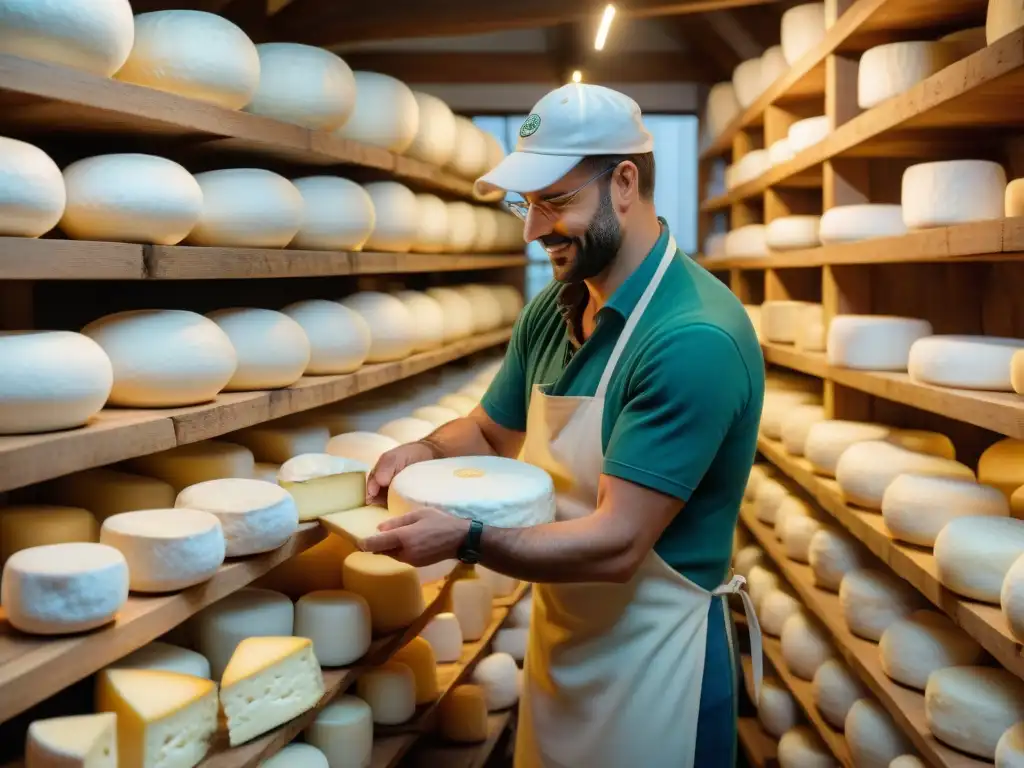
(317, 22)
(701, 38)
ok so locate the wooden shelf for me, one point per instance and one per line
(904, 704)
(115, 435)
(786, 355)
(33, 668)
(467, 755)
(985, 623)
(760, 748)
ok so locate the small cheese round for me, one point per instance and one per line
(871, 600)
(461, 227)
(485, 307)
(392, 332)
(130, 198)
(851, 223)
(432, 224)
(773, 66)
(930, 199)
(193, 54)
(746, 242)
(33, 525)
(512, 640)
(60, 589)
(906, 761)
(434, 141)
(780, 152)
(917, 507)
(796, 425)
(366, 447)
(790, 506)
(498, 676)
(51, 380)
(470, 600)
(751, 166)
(890, 69)
(407, 429)
(835, 690)
(386, 114)
(164, 357)
(462, 715)
(166, 657)
(832, 555)
(391, 589)
(167, 550)
(502, 492)
(458, 313)
(32, 196)
(510, 300)
(247, 208)
(802, 28)
(94, 36)
(760, 583)
(792, 232)
(1011, 597)
(1002, 465)
(964, 362)
(722, 107)
(745, 559)
(339, 337)
(338, 623)
(974, 554)
(256, 516)
(872, 736)
(445, 637)
(808, 132)
(797, 532)
(923, 441)
(805, 646)
(437, 415)
(343, 731)
(469, 159)
(463, 404)
(776, 708)
(272, 349)
(969, 708)
(195, 463)
(801, 747)
(778, 406)
(105, 492)
(486, 229)
(746, 81)
(812, 331)
(296, 755)
(338, 214)
(390, 690)
(428, 319)
(873, 342)
(769, 497)
(913, 647)
(827, 441)
(249, 612)
(866, 469)
(1010, 747)
(418, 655)
(303, 84)
(758, 473)
(775, 608)
(396, 222)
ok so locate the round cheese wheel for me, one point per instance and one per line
(1000, 465)
(746, 81)
(850, 223)
(164, 357)
(907, 761)
(407, 429)
(34, 525)
(193, 54)
(338, 623)
(303, 84)
(130, 198)
(758, 474)
(797, 532)
(1011, 597)
(434, 141)
(964, 362)
(773, 66)
(927, 188)
(339, 337)
(722, 107)
(92, 35)
(751, 166)
(776, 708)
(249, 612)
(193, 463)
(338, 214)
(796, 425)
(436, 414)
(51, 380)
(428, 319)
(366, 447)
(396, 223)
(746, 558)
(273, 350)
(871, 600)
(486, 229)
(343, 730)
(432, 224)
(386, 114)
(827, 440)
(890, 69)
(461, 227)
(297, 755)
(812, 331)
(776, 607)
(801, 747)
(458, 313)
(469, 160)
(780, 152)
(247, 208)
(917, 507)
(970, 708)
(872, 736)
(802, 28)
(866, 469)
(760, 583)
(974, 554)
(168, 658)
(484, 306)
(805, 646)
(808, 132)
(510, 300)
(105, 492)
(791, 506)
(874, 342)
(832, 555)
(1010, 747)
(32, 195)
(392, 335)
(498, 676)
(778, 406)
(792, 232)
(913, 647)
(770, 494)
(781, 319)
(923, 441)
(835, 690)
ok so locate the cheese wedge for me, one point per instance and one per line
(357, 525)
(164, 719)
(83, 741)
(322, 484)
(268, 681)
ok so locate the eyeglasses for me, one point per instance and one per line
(554, 206)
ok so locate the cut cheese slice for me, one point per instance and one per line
(106, 492)
(827, 440)
(338, 623)
(835, 690)
(418, 655)
(917, 507)
(255, 516)
(322, 484)
(79, 741)
(277, 443)
(871, 600)
(343, 731)
(874, 739)
(974, 554)
(948, 192)
(195, 463)
(268, 681)
(890, 69)
(359, 524)
(363, 447)
(249, 612)
(462, 716)
(970, 708)
(166, 657)
(390, 690)
(964, 362)
(851, 223)
(873, 342)
(866, 469)
(913, 647)
(391, 588)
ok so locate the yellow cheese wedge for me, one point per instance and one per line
(322, 484)
(82, 741)
(357, 525)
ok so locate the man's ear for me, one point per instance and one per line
(625, 185)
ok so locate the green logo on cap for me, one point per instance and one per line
(530, 126)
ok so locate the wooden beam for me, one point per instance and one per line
(502, 67)
(702, 39)
(565, 51)
(317, 22)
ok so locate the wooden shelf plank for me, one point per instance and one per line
(33, 668)
(23, 258)
(985, 623)
(904, 704)
(811, 363)
(760, 748)
(465, 755)
(115, 434)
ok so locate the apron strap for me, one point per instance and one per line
(735, 587)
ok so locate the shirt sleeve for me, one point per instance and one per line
(681, 401)
(505, 400)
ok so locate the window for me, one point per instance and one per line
(675, 187)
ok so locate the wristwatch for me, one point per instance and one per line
(469, 550)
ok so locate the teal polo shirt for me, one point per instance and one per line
(683, 405)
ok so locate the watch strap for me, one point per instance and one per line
(469, 551)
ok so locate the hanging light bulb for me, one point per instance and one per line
(606, 24)
(577, 76)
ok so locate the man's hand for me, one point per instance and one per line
(389, 465)
(422, 537)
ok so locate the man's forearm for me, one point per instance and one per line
(461, 437)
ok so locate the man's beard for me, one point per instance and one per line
(598, 246)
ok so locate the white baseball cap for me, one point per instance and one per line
(572, 122)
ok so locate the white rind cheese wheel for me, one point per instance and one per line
(747, 558)
(392, 331)
(1001, 465)
(445, 636)
(777, 406)
(435, 135)
(1004, 17)
(917, 507)
(469, 159)
(793, 232)
(874, 342)
(761, 582)
(871, 600)
(343, 731)
(51, 380)
(832, 555)
(828, 439)
(773, 66)
(386, 114)
(851, 223)
(805, 646)
(167, 658)
(339, 338)
(461, 227)
(747, 242)
(970, 708)
(470, 600)
(130, 198)
(907, 761)
(273, 350)
(791, 506)
(166, 549)
(776, 607)
(758, 474)
(250, 612)
(193, 54)
(802, 28)
(428, 319)
(797, 532)
(781, 319)
(396, 222)
(812, 333)
(1010, 747)
(390, 690)
(247, 208)
(88, 741)
(835, 690)
(746, 82)
(770, 495)
(872, 736)
(722, 108)
(913, 647)
(974, 554)
(366, 447)
(498, 676)
(485, 307)
(514, 641)
(256, 516)
(164, 357)
(510, 301)
(34, 525)
(92, 36)
(502, 492)
(105, 492)
(801, 747)
(780, 152)
(486, 229)
(776, 708)
(866, 469)
(63, 588)
(303, 84)
(807, 132)
(297, 755)
(1011, 597)
(432, 224)
(407, 429)
(338, 214)
(796, 424)
(948, 192)
(195, 463)
(964, 362)
(458, 313)
(751, 166)
(32, 195)
(338, 623)
(890, 69)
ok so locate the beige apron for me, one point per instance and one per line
(613, 672)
